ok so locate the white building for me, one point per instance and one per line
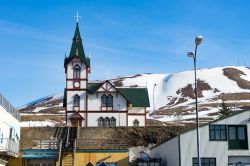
(99, 103)
(224, 142)
(9, 131)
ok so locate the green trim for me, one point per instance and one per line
(39, 150)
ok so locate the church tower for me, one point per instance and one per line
(77, 68)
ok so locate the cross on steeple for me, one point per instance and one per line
(77, 17)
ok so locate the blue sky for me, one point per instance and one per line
(123, 37)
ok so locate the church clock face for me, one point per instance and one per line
(76, 84)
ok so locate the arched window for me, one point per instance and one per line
(136, 122)
(104, 100)
(101, 122)
(107, 122)
(112, 122)
(76, 101)
(110, 101)
(77, 72)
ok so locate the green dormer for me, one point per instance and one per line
(77, 49)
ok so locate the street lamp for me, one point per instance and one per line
(154, 101)
(119, 114)
(198, 41)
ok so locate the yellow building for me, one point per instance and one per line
(79, 158)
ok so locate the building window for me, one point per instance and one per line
(76, 101)
(110, 101)
(77, 72)
(101, 122)
(107, 101)
(107, 122)
(103, 100)
(217, 133)
(112, 122)
(136, 122)
(237, 137)
(205, 162)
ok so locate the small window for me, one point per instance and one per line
(112, 122)
(205, 162)
(101, 122)
(237, 137)
(136, 122)
(217, 133)
(107, 122)
(77, 72)
(76, 101)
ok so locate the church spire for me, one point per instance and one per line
(77, 47)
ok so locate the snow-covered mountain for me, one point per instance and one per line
(173, 94)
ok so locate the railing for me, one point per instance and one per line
(83, 144)
(9, 108)
(102, 144)
(40, 144)
(9, 147)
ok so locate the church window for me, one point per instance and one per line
(112, 122)
(107, 101)
(107, 122)
(76, 101)
(77, 72)
(110, 101)
(136, 122)
(101, 122)
(103, 98)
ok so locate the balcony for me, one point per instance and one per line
(9, 147)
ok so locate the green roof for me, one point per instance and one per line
(77, 49)
(138, 97)
(92, 87)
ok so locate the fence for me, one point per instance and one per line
(9, 108)
(83, 144)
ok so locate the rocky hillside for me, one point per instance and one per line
(174, 97)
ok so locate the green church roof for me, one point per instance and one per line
(137, 96)
(77, 49)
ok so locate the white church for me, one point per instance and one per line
(92, 104)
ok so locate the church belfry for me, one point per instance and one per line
(77, 68)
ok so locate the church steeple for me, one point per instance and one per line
(77, 48)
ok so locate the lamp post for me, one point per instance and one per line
(154, 101)
(119, 114)
(198, 41)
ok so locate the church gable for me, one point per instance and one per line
(107, 87)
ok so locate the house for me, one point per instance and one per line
(9, 131)
(224, 142)
(99, 103)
